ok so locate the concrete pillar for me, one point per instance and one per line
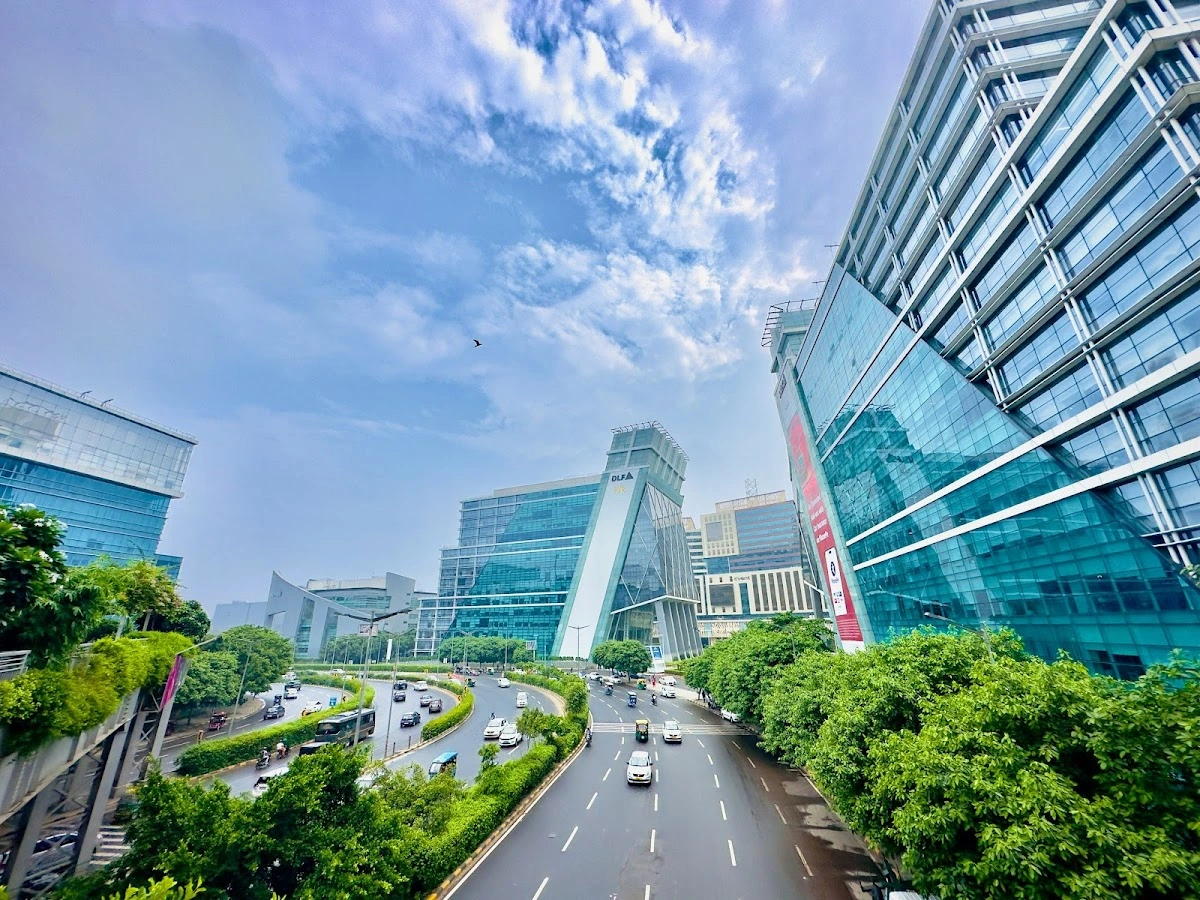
(101, 791)
(165, 713)
(33, 817)
(129, 767)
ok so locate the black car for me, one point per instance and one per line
(400, 686)
(410, 718)
(292, 684)
(435, 705)
(399, 696)
(274, 711)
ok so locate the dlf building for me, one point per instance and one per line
(566, 565)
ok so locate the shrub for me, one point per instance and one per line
(208, 756)
(453, 716)
(43, 705)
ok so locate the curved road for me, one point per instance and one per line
(466, 739)
(720, 820)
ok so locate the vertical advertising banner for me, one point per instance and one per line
(837, 590)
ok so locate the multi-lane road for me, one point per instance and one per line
(720, 819)
(466, 739)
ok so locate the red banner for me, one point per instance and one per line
(836, 588)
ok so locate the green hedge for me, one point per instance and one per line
(43, 705)
(412, 665)
(456, 713)
(208, 756)
(574, 691)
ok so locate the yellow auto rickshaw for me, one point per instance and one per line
(641, 730)
(641, 684)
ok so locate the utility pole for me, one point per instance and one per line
(577, 629)
(362, 687)
(241, 690)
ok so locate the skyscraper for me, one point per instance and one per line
(108, 475)
(993, 413)
(570, 563)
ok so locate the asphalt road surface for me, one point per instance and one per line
(720, 820)
(466, 739)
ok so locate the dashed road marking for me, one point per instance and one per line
(571, 838)
(618, 756)
(700, 742)
(764, 784)
(709, 755)
(541, 887)
(606, 774)
(716, 780)
(780, 811)
(724, 818)
(656, 756)
(647, 892)
(656, 774)
(652, 833)
(732, 858)
(805, 861)
(656, 802)
(752, 765)
(593, 800)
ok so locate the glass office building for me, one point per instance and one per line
(993, 411)
(567, 564)
(108, 475)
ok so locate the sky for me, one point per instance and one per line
(280, 227)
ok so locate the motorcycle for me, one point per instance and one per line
(264, 760)
(281, 752)
(588, 739)
(654, 699)
(608, 691)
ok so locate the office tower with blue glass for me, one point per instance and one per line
(108, 475)
(565, 565)
(993, 411)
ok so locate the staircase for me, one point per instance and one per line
(110, 845)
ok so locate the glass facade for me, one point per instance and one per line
(1007, 422)
(510, 574)
(107, 475)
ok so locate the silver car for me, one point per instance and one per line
(671, 732)
(493, 729)
(639, 769)
(509, 736)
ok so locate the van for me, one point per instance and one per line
(522, 699)
(447, 762)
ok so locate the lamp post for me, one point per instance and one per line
(981, 631)
(362, 687)
(577, 629)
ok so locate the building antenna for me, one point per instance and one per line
(751, 487)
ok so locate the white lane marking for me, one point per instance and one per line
(606, 774)
(709, 755)
(652, 832)
(647, 892)
(656, 802)
(716, 780)
(618, 756)
(541, 887)
(571, 838)
(752, 765)
(805, 861)
(732, 858)
(736, 744)
(700, 742)
(654, 741)
(780, 811)
(656, 756)
(593, 800)
(622, 739)
(724, 818)
(656, 774)
(764, 784)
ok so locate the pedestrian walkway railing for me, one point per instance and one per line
(13, 663)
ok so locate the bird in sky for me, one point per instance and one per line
(478, 343)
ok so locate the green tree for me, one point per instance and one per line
(268, 654)
(354, 646)
(622, 656)
(212, 680)
(534, 723)
(138, 589)
(488, 754)
(1041, 781)
(188, 619)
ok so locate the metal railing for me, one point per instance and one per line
(13, 663)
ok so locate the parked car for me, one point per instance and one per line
(425, 700)
(503, 682)
(509, 736)
(493, 729)
(409, 719)
(671, 732)
(312, 706)
(639, 769)
(522, 699)
(435, 704)
(667, 691)
(275, 711)
(729, 716)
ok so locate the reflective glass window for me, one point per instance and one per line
(1169, 418)
(1025, 301)
(1098, 449)
(1163, 339)
(1049, 345)
(1070, 394)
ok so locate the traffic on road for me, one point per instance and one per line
(705, 814)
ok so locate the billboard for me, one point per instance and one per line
(837, 588)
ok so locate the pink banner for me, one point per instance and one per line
(172, 682)
(837, 589)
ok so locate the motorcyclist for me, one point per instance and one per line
(281, 749)
(587, 736)
(264, 758)
(654, 699)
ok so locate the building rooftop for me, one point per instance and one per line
(752, 502)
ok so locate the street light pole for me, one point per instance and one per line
(241, 689)
(577, 629)
(362, 688)
(981, 631)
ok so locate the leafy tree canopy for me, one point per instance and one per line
(354, 646)
(212, 680)
(189, 619)
(483, 649)
(622, 656)
(268, 654)
(134, 589)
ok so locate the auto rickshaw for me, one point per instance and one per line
(608, 690)
(470, 682)
(641, 730)
(631, 699)
(641, 684)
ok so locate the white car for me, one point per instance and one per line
(522, 699)
(729, 715)
(639, 768)
(594, 676)
(264, 782)
(290, 693)
(667, 691)
(313, 706)
(503, 682)
(671, 733)
(509, 736)
(337, 671)
(493, 729)
(421, 686)
(670, 679)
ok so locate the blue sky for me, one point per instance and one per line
(279, 227)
